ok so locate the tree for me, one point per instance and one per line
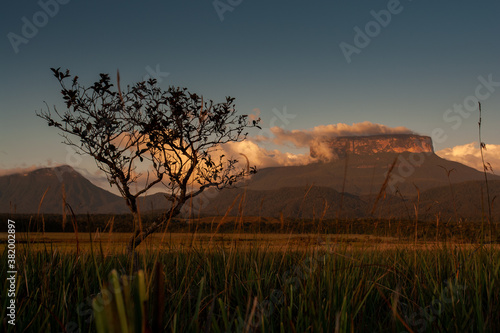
(174, 134)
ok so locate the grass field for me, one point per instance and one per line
(112, 243)
(261, 283)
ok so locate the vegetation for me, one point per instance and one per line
(176, 132)
(420, 278)
(119, 307)
(309, 289)
(400, 229)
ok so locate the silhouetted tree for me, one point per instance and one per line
(174, 133)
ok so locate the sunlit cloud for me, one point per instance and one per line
(470, 154)
(261, 157)
(315, 138)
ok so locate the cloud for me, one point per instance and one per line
(13, 171)
(469, 154)
(255, 115)
(262, 157)
(23, 168)
(303, 138)
(316, 137)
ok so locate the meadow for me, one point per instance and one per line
(259, 282)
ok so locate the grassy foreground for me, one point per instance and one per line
(328, 287)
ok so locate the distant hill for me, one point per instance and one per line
(365, 174)
(309, 191)
(468, 199)
(282, 190)
(23, 193)
(297, 202)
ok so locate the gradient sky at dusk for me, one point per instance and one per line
(266, 54)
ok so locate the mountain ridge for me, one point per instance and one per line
(345, 187)
(365, 174)
(41, 191)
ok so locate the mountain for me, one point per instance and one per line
(298, 202)
(462, 201)
(42, 191)
(347, 186)
(23, 193)
(365, 174)
(349, 183)
(467, 200)
(342, 146)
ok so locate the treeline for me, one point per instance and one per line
(57, 223)
(402, 229)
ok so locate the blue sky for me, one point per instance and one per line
(267, 54)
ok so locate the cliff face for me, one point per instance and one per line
(369, 145)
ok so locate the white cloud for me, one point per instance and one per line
(262, 157)
(470, 154)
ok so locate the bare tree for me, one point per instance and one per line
(173, 134)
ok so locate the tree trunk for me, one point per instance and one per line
(139, 236)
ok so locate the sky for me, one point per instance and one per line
(414, 64)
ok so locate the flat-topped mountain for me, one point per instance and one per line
(340, 147)
(347, 185)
